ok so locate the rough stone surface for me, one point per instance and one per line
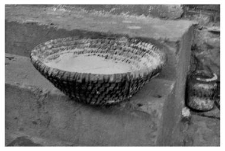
(200, 131)
(206, 45)
(158, 11)
(207, 49)
(204, 14)
(206, 40)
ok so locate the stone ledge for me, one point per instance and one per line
(80, 19)
(36, 108)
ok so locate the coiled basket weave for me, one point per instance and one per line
(141, 61)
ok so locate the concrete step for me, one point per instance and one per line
(34, 106)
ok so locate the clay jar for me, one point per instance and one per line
(201, 91)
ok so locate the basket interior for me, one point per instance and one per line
(99, 56)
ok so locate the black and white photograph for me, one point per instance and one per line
(112, 75)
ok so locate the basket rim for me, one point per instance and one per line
(79, 76)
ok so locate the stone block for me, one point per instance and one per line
(36, 108)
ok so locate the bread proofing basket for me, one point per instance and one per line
(98, 71)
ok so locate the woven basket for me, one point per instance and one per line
(94, 88)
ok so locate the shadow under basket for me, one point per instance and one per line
(98, 71)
